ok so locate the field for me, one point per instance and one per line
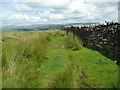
(50, 59)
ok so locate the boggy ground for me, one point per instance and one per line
(50, 59)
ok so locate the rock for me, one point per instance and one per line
(103, 61)
(59, 57)
(104, 37)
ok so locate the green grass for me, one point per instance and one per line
(102, 74)
(18, 55)
(73, 42)
(49, 59)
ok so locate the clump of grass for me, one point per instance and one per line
(73, 42)
(18, 55)
(64, 78)
(59, 33)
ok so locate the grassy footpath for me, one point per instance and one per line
(53, 60)
(83, 68)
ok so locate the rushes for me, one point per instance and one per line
(73, 42)
(18, 55)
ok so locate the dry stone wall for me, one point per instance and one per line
(102, 37)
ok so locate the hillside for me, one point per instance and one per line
(50, 59)
(37, 27)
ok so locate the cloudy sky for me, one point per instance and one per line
(27, 12)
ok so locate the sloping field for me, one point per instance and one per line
(49, 59)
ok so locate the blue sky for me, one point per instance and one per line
(27, 12)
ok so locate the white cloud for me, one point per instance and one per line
(22, 19)
(56, 16)
(60, 11)
(23, 8)
(77, 4)
(45, 20)
(47, 3)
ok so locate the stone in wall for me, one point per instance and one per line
(104, 38)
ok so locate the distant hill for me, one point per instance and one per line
(36, 27)
(80, 23)
(31, 27)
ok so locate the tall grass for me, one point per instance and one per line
(22, 56)
(73, 42)
(64, 78)
(67, 76)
